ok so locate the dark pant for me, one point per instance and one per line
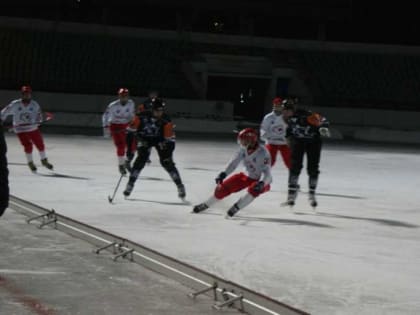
(165, 153)
(131, 145)
(312, 149)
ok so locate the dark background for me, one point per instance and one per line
(389, 22)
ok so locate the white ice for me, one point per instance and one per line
(359, 253)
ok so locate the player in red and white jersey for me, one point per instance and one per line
(273, 131)
(256, 160)
(27, 116)
(115, 121)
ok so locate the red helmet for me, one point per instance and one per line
(26, 89)
(248, 137)
(277, 101)
(123, 92)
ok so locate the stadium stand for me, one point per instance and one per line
(93, 64)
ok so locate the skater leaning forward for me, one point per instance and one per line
(256, 160)
(27, 116)
(304, 132)
(154, 129)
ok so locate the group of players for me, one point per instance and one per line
(288, 129)
(292, 131)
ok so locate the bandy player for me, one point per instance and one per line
(257, 180)
(115, 121)
(273, 131)
(27, 117)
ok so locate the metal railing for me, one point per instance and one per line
(224, 292)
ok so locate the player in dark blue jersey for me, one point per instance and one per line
(154, 129)
(304, 132)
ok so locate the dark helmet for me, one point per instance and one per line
(158, 104)
(288, 104)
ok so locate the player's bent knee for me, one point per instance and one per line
(167, 163)
(221, 192)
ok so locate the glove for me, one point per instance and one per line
(142, 143)
(219, 179)
(258, 188)
(324, 131)
(162, 145)
(107, 132)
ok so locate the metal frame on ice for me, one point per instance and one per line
(224, 292)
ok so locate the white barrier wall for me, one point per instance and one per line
(85, 111)
(62, 102)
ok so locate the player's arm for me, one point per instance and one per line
(323, 124)
(105, 117)
(234, 162)
(232, 165)
(105, 122)
(7, 111)
(38, 114)
(168, 131)
(263, 129)
(135, 123)
(266, 171)
(133, 110)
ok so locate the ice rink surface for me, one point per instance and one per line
(359, 253)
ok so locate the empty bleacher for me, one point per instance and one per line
(92, 64)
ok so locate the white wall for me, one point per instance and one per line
(84, 111)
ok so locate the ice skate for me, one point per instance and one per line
(128, 189)
(312, 200)
(32, 166)
(122, 169)
(291, 198)
(200, 207)
(47, 164)
(232, 211)
(181, 191)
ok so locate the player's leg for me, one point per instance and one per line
(313, 152)
(38, 141)
(26, 142)
(143, 153)
(131, 149)
(118, 133)
(165, 153)
(297, 148)
(286, 155)
(248, 197)
(231, 184)
(272, 149)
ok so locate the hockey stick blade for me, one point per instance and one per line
(110, 199)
